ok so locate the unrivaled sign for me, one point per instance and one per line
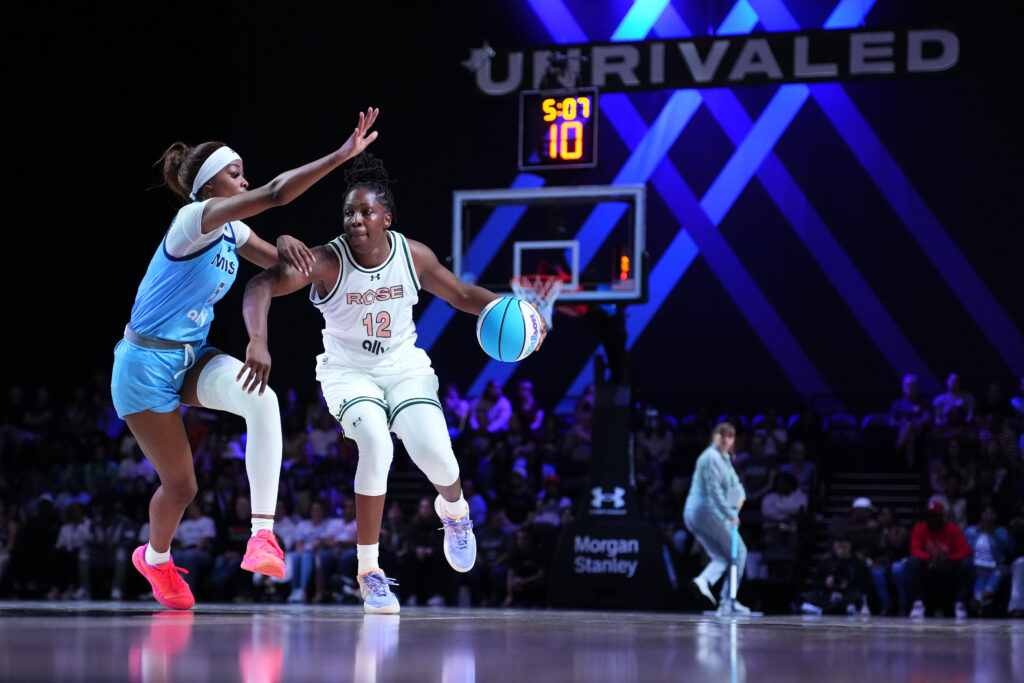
(716, 61)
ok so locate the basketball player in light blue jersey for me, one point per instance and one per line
(164, 361)
(374, 378)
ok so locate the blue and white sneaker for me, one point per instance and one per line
(459, 540)
(736, 608)
(376, 591)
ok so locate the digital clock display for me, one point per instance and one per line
(558, 129)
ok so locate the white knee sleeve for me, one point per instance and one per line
(218, 389)
(367, 425)
(424, 433)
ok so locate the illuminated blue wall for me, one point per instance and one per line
(804, 238)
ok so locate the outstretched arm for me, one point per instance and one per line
(278, 280)
(290, 184)
(441, 282)
(289, 250)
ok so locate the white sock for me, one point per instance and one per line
(153, 557)
(366, 556)
(262, 523)
(455, 509)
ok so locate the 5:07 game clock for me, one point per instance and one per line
(558, 129)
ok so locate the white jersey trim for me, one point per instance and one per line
(313, 296)
(351, 259)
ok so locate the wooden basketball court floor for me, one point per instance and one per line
(111, 641)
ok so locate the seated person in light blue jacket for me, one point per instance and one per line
(712, 509)
(991, 546)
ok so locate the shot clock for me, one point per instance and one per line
(557, 129)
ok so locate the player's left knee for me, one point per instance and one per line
(371, 478)
(440, 466)
(261, 407)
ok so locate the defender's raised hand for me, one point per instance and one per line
(361, 137)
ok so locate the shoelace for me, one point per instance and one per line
(268, 543)
(461, 527)
(175, 579)
(378, 584)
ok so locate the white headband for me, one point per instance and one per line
(212, 166)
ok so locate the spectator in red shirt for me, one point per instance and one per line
(940, 560)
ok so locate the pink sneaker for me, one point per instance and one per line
(169, 589)
(263, 555)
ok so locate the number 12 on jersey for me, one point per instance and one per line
(383, 322)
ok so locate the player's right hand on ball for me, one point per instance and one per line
(256, 367)
(543, 327)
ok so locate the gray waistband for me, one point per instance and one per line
(155, 343)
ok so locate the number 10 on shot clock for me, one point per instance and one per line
(558, 129)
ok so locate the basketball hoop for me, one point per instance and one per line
(538, 289)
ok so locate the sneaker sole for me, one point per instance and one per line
(458, 569)
(156, 594)
(437, 510)
(391, 609)
(269, 567)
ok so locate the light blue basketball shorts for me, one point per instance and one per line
(150, 379)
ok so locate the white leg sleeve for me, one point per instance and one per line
(218, 389)
(424, 433)
(366, 423)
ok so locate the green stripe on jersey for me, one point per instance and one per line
(410, 402)
(352, 260)
(362, 399)
(409, 262)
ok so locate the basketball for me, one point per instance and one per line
(508, 329)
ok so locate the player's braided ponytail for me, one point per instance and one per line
(368, 172)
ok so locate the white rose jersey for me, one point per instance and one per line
(368, 312)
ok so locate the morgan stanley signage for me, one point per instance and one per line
(715, 61)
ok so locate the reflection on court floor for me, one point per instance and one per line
(93, 641)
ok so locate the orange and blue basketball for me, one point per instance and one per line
(508, 329)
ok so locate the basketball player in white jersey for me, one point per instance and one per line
(374, 378)
(164, 360)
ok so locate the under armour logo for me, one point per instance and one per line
(617, 497)
(355, 422)
(375, 277)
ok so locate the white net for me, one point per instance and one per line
(538, 289)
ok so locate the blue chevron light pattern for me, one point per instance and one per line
(753, 156)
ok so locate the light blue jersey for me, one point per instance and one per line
(188, 274)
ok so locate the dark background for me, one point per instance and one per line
(94, 94)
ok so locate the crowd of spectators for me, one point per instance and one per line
(75, 489)
(963, 553)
